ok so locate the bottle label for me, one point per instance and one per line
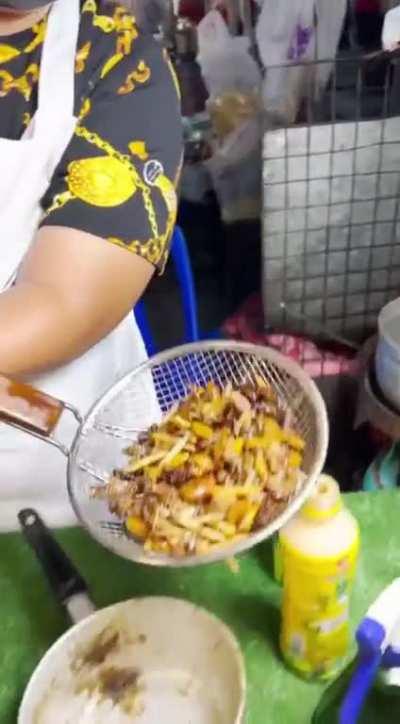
(315, 631)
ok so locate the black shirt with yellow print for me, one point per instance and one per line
(118, 175)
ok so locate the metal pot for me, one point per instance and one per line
(387, 358)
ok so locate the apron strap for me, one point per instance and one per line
(54, 118)
(57, 71)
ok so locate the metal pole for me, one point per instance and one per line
(245, 14)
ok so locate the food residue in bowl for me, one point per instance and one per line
(99, 685)
(105, 688)
(99, 649)
(121, 686)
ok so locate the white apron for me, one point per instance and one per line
(31, 472)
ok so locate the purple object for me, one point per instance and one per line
(300, 41)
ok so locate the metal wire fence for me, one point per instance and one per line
(331, 217)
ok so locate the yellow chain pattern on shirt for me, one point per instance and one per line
(24, 84)
(140, 75)
(9, 52)
(57, 204)
(95, 140)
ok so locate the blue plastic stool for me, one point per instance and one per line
(183, 269)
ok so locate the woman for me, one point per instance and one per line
(90, 145)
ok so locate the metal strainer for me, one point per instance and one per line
(141, 399)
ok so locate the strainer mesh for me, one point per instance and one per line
(150, 391)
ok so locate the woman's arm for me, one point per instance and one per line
(72, 290)
(94, 256)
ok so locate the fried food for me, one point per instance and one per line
(222, 464)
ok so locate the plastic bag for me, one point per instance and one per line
(236, 172)
(288, 34)
(233, 80)
(231, 110)
(225, 61)
(391, 30)
(278, 37)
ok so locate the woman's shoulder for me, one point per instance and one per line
(110, 18)
(107, 19)
(110, 35)
(109, 8)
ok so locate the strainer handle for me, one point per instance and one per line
(32, 411)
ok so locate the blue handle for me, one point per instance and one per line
(391, 658)
(142, 322)
(183, 270)
(184, 273)
(370, 637)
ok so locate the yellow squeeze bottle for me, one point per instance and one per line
(318, 550)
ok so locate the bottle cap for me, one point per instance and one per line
(325, 502)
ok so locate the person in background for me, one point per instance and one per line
(369, 21)
(90, 150)
(193, 10)
(151, 14)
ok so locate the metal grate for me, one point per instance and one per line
(332, 203)
(173, 380)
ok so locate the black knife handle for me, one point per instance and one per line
(62, 576)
